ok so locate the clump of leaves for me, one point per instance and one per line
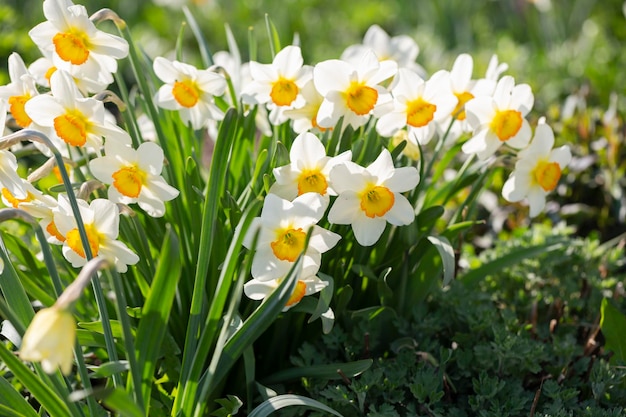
(524, 340)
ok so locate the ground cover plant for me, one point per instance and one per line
(246, 231)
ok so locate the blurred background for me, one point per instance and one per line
(571, 52)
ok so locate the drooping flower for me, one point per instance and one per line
(308, 170)
(418, 105)
(71, 118)
(75, 44)
(21, 89)
(101, 221)
(537, 170)
(50, 339)
(499, 119)
(189, 90)
(370, 197)
(352, 90)
(259, 290)
(134, 175)
(280, 83)
(282, 228)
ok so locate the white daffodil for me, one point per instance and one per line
(75, 44)
(370, 197)
(101, 221)
(352, 91)
(304, 118)
(135, 176)
(309, 169)
(43, 68)
(279, 84)
(499, 119)
(9, 178)
(283, 227)
(402, 49)
(259, 290)
(537, 171)
(71, 118)
(21, 89)
(49, 339)
(189, 91)
(418, 105)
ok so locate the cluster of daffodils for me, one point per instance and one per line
(374, 87)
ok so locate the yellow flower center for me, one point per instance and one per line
(72, 128)
(49, 73)
(57, 172)
(186, 93)
(547, 174)
(52, 229)
(506, 124)
(289, 244)
(419, 112)
(72, 46)
(129, 180)
(312, 180)
(376, 200)
(459, 110)
(284, 92)
(74, 242)
(360, 98)
(16, 108)
(297, 294)
(16, 201)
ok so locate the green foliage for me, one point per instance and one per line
(522, 338)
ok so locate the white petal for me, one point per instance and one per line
(403, 179)
(401, 213)
(367, 231)
(345, 208)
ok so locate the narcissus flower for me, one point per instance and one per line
(50, 339)
(370, 197)
(280, 83)
(21, 89)
(304, 118)
(189, 90)
(101, 221)
(283, 227)
(499, 119)
(308, 170)
(352, 90)
(71, 118)
(258, 290)
(135, 176)
(74, 43)
(418, 105)
(537, 171)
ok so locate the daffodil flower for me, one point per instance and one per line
(75, 44)
(49, 339)
(101, 221)
(282, 228)
(352, 90)
(499, 119)
(280, 83)
(134, 175)
(304, 117)
(259, 290)
(370, 197)
(308, 170)
(418, 105)
(189, 91)
(537, 170)
(71, 118)
(21, 89)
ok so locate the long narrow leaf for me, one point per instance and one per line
(330, 371)
(281, 401)
(14, 401)
(446, 252)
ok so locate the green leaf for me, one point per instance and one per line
(471, 277)
(13, 401)
(446, 252)
(42, 392)
(119, 401)
(109, 368)
(272, 34)
(205, 51)
(331, 371)
(613, 325)
(156, 311)
(276, 403)
(229, 406)
(427, 218)
(18, 302)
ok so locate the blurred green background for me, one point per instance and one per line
(569, 51)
